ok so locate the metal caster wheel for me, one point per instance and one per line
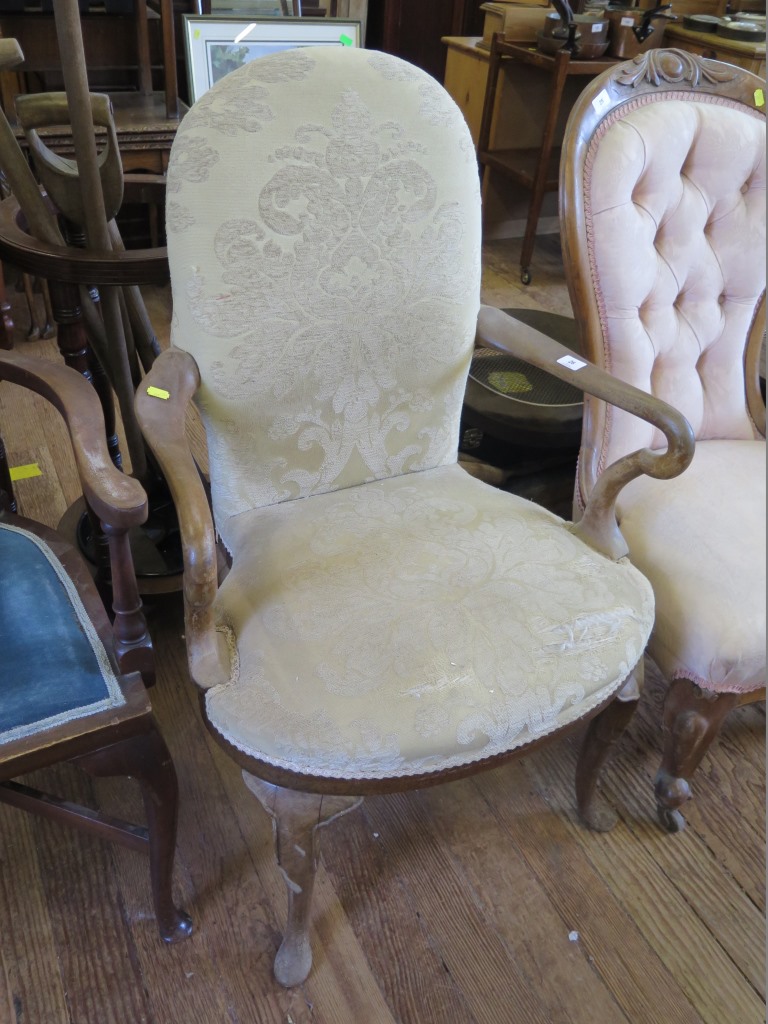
(670, 820)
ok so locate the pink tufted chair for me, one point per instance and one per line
(663, 211)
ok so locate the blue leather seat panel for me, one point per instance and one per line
(48, 667)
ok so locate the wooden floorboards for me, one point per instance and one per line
(481, 902)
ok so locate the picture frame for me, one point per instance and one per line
(217, 44)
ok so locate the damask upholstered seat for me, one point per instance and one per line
(664, 222)
(387, 620)
(374, 634)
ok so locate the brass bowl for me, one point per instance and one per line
(591, 25)
(586, 49)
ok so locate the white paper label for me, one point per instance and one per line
(571, 362)
(627, 22)
(601, 101)
(596, 27)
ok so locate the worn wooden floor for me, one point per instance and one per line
(480, 902)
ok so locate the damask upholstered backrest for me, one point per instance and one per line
(324, 238)
(663, 200)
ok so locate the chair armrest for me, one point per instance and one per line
(163, 424)
(597, 526)
(116, 498)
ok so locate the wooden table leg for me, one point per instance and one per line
(169, 60)
(489, 102)
(7, 499)
(540, 175)
(6, 323)
(6, 994)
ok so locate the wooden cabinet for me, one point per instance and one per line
(121, 52)
(110, 43)
(708, 44)
(466, 76)
(413, 29)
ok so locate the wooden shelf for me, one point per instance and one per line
(521, 164)
(534, 168)
(528, 53)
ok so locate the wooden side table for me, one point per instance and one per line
(535, 168)
(144, 132)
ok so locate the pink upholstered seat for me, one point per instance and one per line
(664, 214)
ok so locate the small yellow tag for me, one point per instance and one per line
(25, 472)
(759, 98)
(158, 393)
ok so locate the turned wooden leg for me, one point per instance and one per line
(49, 328)
(692, 719)
(6, 320)
(133, 643)
(100, 381)
(604, 732)
(148, 760)
(34, 327)
(7, 499)
(296, 817)
(7, 1009)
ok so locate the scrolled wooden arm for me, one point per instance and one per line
(115, 497)
(162, 422)
(598, 526)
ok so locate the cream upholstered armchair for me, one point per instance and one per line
(663, 213)
(387, 621)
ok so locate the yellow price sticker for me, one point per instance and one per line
(25, 472)
(158, 393)
(759, 98)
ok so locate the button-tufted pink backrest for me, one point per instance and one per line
(674, 201)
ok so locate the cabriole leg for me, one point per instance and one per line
(148, 760)
(604, 732)
(692, 719)
(296, 818)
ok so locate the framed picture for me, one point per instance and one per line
(217, 44)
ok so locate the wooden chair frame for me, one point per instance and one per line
(300, 803)
(692, 716)
(117, 741)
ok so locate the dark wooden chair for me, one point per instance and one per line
(72, 684)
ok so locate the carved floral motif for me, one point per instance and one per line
(674, 66)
